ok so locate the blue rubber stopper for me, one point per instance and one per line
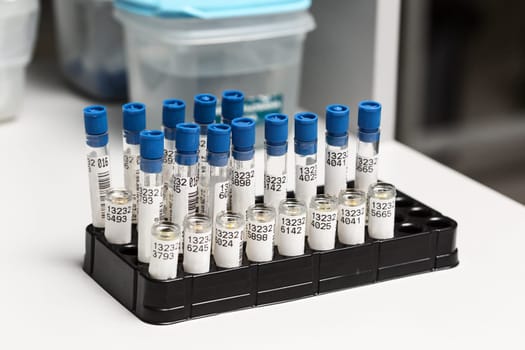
(134, 116)
(95, 120)
(173, 112)
(187, 137)
(305, 127)
(219, 138)
(204, 108)
(232, 104)
(243, 133)
(337, 120)
(276, 128)
(369, 117)
(151, 144)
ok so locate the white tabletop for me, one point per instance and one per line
(47, 300)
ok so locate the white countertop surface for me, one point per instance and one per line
(48, 301)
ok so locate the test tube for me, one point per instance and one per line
(336, 162)
(368, 120)
(197, 243)
(119, 208)
(243, 164)
(352, 217)
(133, 122)
(96, 126)
(260, 232)
(232, 105)
(291, 227)
(323, 222)
(217, 183)
(229, 230)
(275, 171)
(204, 112)
(305, 156)
(165, 242)
(173, 112)
(381, 210)
(150, 189)
(185, 173)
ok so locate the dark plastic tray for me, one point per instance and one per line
(424, 241)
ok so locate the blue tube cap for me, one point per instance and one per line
(151, 144)
(173, 112)
(219, 138)
(134, 116)
(95, 120)
(204, 108)
(305, 127)
(187, 137)
(337, 120)
(369, 117)
(276, 134)
(232, 104)
(243, 133)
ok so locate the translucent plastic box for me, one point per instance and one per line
(90, 44)
(18, 19)
(180, 57)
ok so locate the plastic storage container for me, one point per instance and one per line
(254, 46)
(90, 46)
(18, 19)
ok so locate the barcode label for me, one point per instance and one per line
(100, 182)
(184, 191)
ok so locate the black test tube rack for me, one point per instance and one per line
(424, 241)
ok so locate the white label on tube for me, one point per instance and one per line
(305, 182)
(351, 227)
(243, 190)
(228, 247)
(118, 223)
(149, 211)
(221, 196)
(203, 144)
(274, 189)
(259, 241)
(322, 225)
(197, 249)
(184, 199)
(164, 257)
(131, 178)
(99, 183)
(291, 232)
(381, 217)
(365, 172)
(335, 172)
(168, 161)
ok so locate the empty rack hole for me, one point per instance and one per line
(439, 223)
(409, 229)
(420, 212)
(399, 218)
(403, 202)
(128, 250)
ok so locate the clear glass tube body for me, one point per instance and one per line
(119, 208)
(275, 179)
(366, 165)
(197, 243)
(167, 172)
(242, 185)
(260, 229)
(229, 230)
(99, 171)
(149, 211)
(336, 169)
(352, 216)
(291, 227)
(131, 161)
(381, 210)
(165, 242)
(322, 220)
(305, 177)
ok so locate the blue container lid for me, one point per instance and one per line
(243, 133)
(219, 138)
(134, 116)
(337, 119)
(95, 120)
(208, 9)
(173, 111)
(232, 104)
(187, 137)
(276, 128)
(204, 108)
(305, 127)
(151, 144)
